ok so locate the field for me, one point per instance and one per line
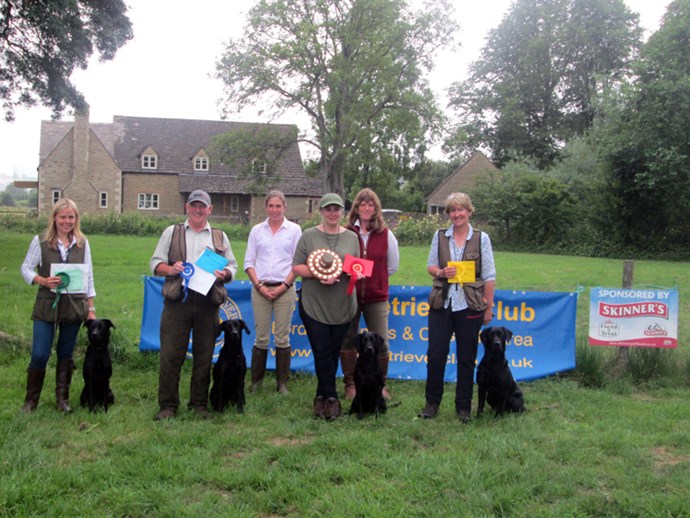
(620, 450)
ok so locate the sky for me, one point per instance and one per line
(165, 70)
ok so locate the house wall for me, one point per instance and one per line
(81, 173)
(167, 186)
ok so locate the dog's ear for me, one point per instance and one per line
(508, 333)
(245, 327)
(221, 328)
(483, 336)
(379, 340)
(108, 323)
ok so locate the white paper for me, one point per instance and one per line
(78, 274)
(201, 281)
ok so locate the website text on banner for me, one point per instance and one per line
(543, 325)
(633, 317)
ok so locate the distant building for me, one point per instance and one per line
(462, 180)
(150, 165)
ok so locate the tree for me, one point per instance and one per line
(350, 65)
(44, 41)
(644, 139)
(539, 76)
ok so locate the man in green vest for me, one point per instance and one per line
(187, 311)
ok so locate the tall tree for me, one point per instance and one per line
(348, 64)
(42, 42)
(536, 83)
(646, 141)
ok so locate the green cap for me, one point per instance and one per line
(331, 198)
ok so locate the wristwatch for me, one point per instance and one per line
(92, 310)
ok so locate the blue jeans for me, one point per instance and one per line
(325, 341)
(44, 332)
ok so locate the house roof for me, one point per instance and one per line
(177, 142)
(463, 178)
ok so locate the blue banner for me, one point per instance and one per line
(543, 326)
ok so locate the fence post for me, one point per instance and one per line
(623, 352)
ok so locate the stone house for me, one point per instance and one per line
(150, 165)
(462, 180)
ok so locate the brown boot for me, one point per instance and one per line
(63, 379)
(283, 357)
(383, 362)
(258, 367)
(348, 360)
(34, 385)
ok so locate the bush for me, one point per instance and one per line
(416, 231)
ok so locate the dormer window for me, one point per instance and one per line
(259, 167)
(201, 163)
(149, 161)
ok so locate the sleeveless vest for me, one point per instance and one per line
(374, 288)
(172, 287)
(65, 311)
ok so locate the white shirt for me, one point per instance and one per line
(271, 254)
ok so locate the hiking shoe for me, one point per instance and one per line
(429, 411)
(464, 416)
(164, 413)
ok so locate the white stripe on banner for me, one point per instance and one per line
(543, 325)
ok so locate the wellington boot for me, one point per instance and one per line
(383, 362)
(63, 379)
(258, 367)
(34, 385)
(348, 360)
(283, 357)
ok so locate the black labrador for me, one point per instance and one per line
(230, 368)
(369, 379)
(495, 381)
(98, 367)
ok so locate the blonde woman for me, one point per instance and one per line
(62, 242)
(465, 309)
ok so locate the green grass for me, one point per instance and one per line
(578, 451)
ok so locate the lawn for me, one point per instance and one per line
(577, 451)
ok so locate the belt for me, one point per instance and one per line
(271, 284)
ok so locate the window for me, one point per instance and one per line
(234, 203)
(259, 167)
(201, 163)
(103, 200)
(311, 206)
(55, 195)
(148, 201)
(149, 161)
(437, 209)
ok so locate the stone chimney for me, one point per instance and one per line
(80, 150)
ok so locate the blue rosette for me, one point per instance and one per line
(186, 274)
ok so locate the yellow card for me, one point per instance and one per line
(464, 271)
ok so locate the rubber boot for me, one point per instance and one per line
(283, 357)
(348, 360)
(34, 385)
(258, 367)
(63, 379)
(383, 362)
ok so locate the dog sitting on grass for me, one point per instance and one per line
(230, 369)
(494, 379)
(98, 367)
(368, 376)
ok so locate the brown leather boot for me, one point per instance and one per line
(34, 385)
(258, 367)
(63, 379)
(348, 360)
(383, 362)
(283, 357)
